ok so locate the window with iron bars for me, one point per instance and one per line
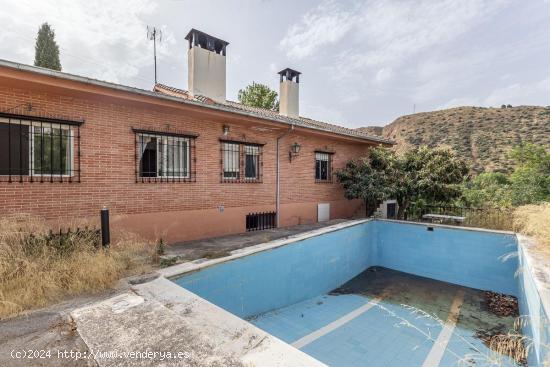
(241, 162)
(323, 167)
(35, 149)
(164, 157)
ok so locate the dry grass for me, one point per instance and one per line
(35, 271)
(533, 220)
(499, 219)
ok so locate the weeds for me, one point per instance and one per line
(533, 220)
(37, 269)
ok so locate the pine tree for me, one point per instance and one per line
(46, 49)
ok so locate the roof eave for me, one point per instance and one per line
(143, 92)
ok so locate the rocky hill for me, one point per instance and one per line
(481, 135)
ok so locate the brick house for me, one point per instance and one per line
(167, 163)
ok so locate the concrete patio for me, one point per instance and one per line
(222, 246)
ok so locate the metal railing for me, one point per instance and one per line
(260, 221)
(490, 218)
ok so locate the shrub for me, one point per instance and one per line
(37, 270)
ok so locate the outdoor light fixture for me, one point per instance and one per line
(225, 129)
(294, 151)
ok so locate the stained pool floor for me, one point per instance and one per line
(388, 318)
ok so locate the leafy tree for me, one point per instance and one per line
(259, 95)
(530, 181)
(433, 176)
(46, 49)
(487, 189)
(369, 178)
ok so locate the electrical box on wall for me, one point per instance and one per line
(323, 212)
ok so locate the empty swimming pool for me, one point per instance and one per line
(384, 293)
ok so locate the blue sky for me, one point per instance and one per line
(363, 62)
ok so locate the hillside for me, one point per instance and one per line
(482, 135)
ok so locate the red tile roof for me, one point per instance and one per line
(270, 114)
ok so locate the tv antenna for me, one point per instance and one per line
(153, 34)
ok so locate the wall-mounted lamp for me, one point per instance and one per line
(225, 129)
(294, 151)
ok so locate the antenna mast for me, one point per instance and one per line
(152, 34)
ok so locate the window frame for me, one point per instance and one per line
(241, 160)
(71, 173)
(329, 160)
(163, 142)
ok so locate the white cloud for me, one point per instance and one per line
(532, 93)
(101, 39)
(458, 102)
(521, 93)
(383, 75)
(321, 112)
(327, 24)
(393, 31)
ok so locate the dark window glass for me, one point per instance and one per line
(148, 159)
(252, 154)
(14, 149)
(51, 151)
(322, 166)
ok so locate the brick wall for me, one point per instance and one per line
(176, 211)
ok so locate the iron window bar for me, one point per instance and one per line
(260, 221)
(323, 167)
(241, 162)
(39, 149)
(165, 156)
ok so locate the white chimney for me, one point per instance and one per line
(206, 65)
(289, 95)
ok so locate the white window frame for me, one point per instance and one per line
(52, 125)
(162, 157)
(226, 153)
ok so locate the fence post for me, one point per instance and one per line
(105, 232)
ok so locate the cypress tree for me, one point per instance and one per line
(46, 49)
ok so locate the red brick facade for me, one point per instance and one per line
(172, 210)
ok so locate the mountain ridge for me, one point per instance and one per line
(482, 135)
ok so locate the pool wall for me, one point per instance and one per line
(285, 275)
(477, 259)
(304, 269)
(536, 326)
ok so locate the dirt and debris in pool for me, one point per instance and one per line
(505, 342)
(501, 304)
(487, 316)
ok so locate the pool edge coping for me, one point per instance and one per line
(174, 271)
(540, 271)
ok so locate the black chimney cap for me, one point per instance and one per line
(206, 41)
(290, 74)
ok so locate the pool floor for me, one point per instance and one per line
(387, 318)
